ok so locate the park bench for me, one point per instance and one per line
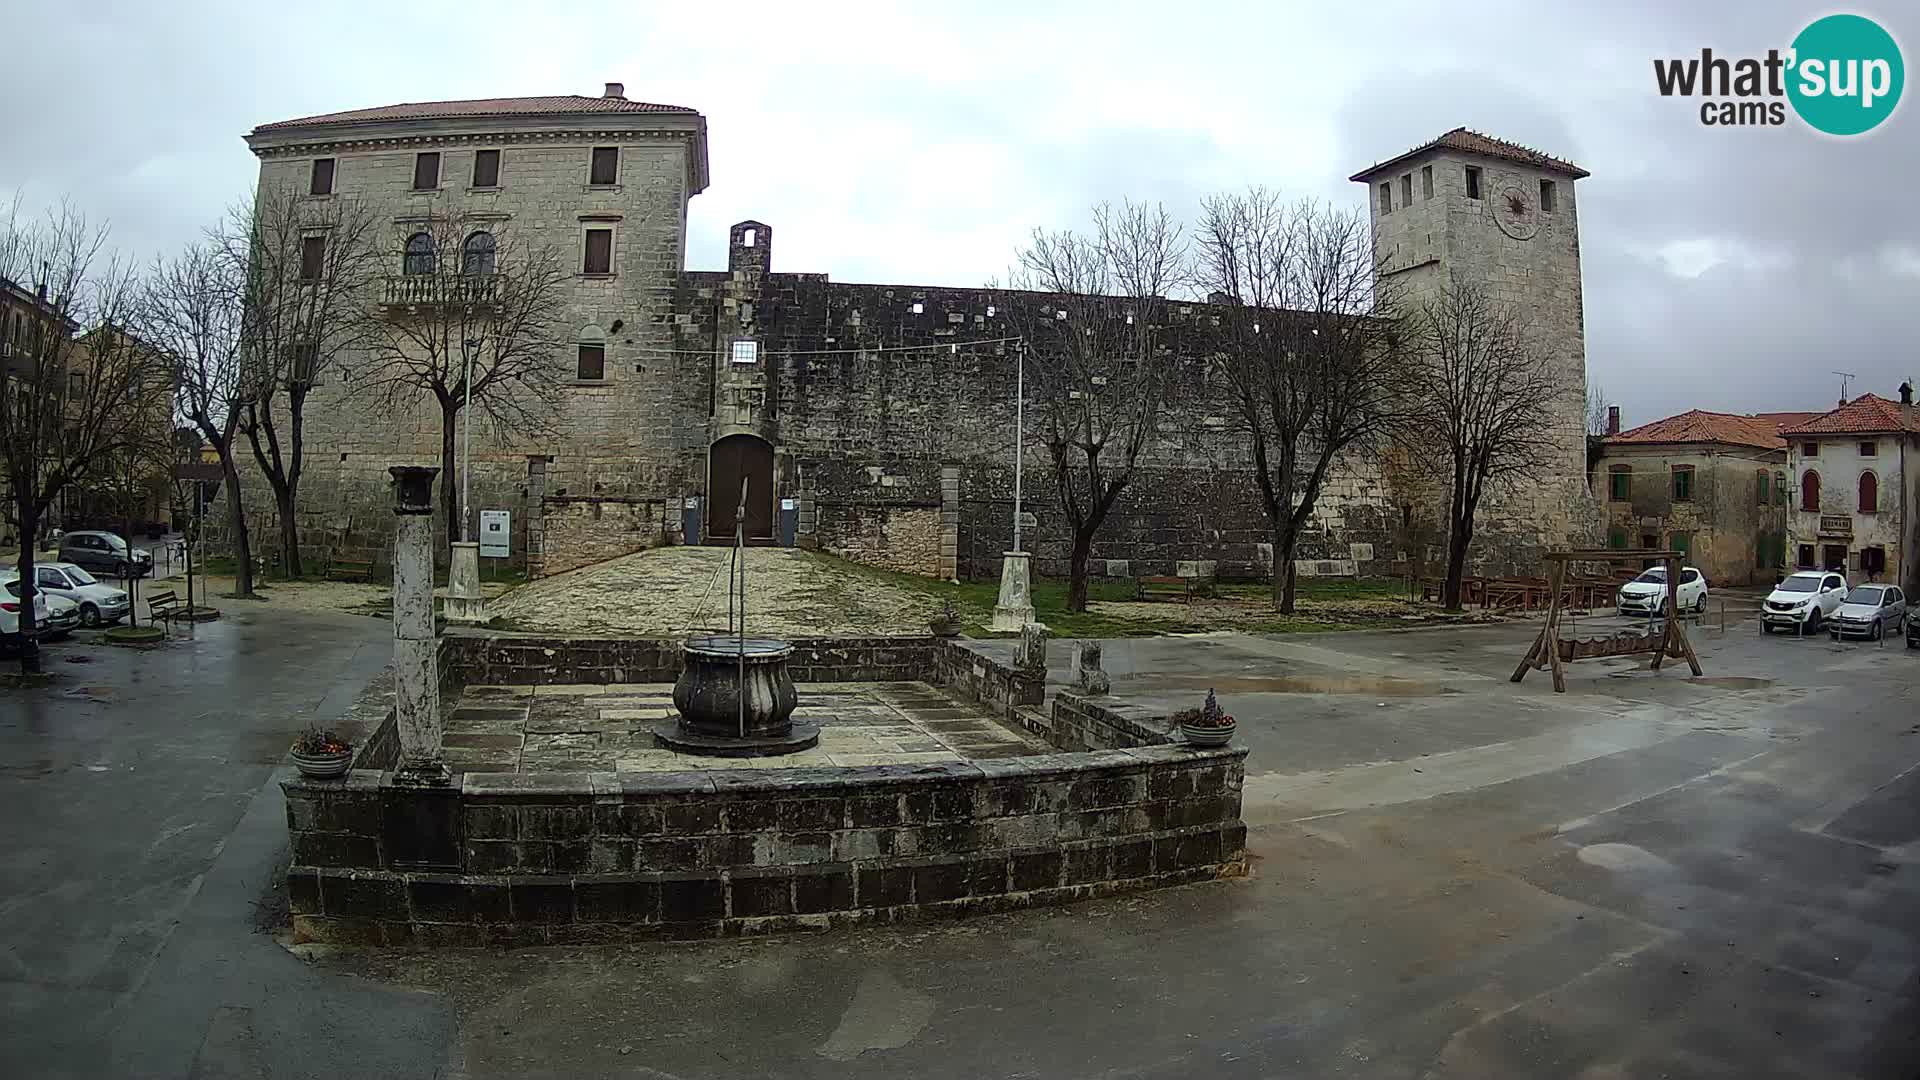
(1163, 588)
(163, 605)
(350, 570)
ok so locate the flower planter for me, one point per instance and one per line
(1208, 736)
(323, 766)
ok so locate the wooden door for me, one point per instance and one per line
(732, 459)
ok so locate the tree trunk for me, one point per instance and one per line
(1077, 571)
(1285, 542)
(29, 539)
(242, 542)
(289, 531)
(449, 412)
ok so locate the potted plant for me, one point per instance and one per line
(321, 754)
(1206, 726)
(947, 622)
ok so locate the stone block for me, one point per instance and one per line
(492, 821)
(361, 896)
(812, 815)
(335, 850)
(447, 898)
(883, 886)
(541, 902)
(1035, 869)
(1085, 863)
(750, 815)
(303, 891)
(873, 811)
(862, 845)
(944, 879)
(686, 898)
(624, 899)
(663, 854)
(1132, 859)
(760, 892)
(628, 819)
(570, 857)
(822, 888)
(690, 818)
(556, 822)
(801, 848)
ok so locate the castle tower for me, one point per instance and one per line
(1507, 217)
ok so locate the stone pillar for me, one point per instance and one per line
(1015, 607)
(464, 602)
(536, 516)
(1088, 676)
(806, 529)
(950, 522)
(1030, 666)
(416, 669)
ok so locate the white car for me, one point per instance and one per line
(99, 604)
(53, 617)
(1803, 601)
(1869, 611)
(1647, 594)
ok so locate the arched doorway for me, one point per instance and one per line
(730, 460)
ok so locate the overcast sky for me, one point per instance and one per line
(1729, 269)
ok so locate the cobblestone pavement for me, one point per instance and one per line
(675, 589)
(609, 728)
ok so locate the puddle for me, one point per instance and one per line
(1376, 685)
(91, 693)
(1731, 682)
(1625, 857)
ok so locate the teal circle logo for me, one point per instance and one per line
(1846, 75)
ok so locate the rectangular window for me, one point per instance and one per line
(1806, 555)
(1869, 449)
(1473, 182)
(1406, 190)
(1546, 196)
(426, 171)
(593, 363)
(1426, 181)
(486, 168)
(1681, 542)
(1810, 449)
(599, 257)
(1683, 483)
(1386, 198)
(746, 352)
(1761, 496)
(1617, 539)
(606, 166)
(313, 257)
(1620, 484)
(76, 384)
(321, 183)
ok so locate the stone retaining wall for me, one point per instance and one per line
(580, 530)
(488, 658)
(566, 857)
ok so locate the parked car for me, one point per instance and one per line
(53, 617)
(105, 553)
(1913, 628)
(1803, 601)
(1868, 612)
(1647, 594)
(99, 604)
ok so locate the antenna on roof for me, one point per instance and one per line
(1844, 376)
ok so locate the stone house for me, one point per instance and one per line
(874, 421)
(1856, 485)
(1713, 485)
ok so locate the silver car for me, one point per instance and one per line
(1869, 612)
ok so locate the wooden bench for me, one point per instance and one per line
(350, 570)
(164, 605)
(1163, 588)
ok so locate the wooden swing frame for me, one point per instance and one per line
(1547, 648)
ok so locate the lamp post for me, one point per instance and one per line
(464, 601)
(467, 348)
(1014, 609)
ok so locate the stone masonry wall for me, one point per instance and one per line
(903, 538)
(1727, 522)
(585, 530)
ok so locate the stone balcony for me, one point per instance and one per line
(419, 290)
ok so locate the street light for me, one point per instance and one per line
(469, 347)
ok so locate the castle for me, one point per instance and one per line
(873, 421)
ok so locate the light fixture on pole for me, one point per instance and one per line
(468, 347)
(1014, 609)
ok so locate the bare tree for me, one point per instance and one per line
(309, 269)
(193, 314)
(1491, 397)
(1599, 407)
(1312, 373)
(64, 415)
(1096, 336)
(476, 313)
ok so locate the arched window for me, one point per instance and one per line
(419, 258)
(1810, 491)
(590, 354)
(1869, 502)
(476, 256)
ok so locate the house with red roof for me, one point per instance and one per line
(1707, 483)
(1856, 483)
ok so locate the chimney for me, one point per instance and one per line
(1613, 419)
(616, 90)
(1906, 392)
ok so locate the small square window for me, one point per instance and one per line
(1386, 198)
(606, 166)
(592, 365)
(919, 308)
(1473, 182)
(1406, 190)
(426, 171)
(599, 254)
(313, 257)
(1546, 196)
(486, 168)
(1810, 449)
(1426, 181)
(321, 183)
(1869, 449)
(746, 352)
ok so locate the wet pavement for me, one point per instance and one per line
(1453, 876)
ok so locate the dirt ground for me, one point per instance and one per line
(360, 598)
(677, 589)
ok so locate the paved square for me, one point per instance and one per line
(587, 728)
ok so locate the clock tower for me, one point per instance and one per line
(1506, 217)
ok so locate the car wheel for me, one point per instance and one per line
(1876, 631)
(89, 616)
(1813, 621)
(1701, 607)
(120, 569)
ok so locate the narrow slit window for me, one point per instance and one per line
(1546, 196)
(321, 182)
(313, 257)
(1426, 181)
(1406, 190)
(606, 166)
(426, 171)
(486, 168)
(1473, 182)
(1386, 198)
(599, 254)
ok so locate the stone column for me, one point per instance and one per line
(1015, 607)
(416, 669)
(950, 522)
(464, 603)
(536, 516)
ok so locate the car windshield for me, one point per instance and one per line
(1800, 584)
(1657, 575)
(1865, 594)
(80, 577)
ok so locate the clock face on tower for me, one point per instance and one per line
(1514, 211)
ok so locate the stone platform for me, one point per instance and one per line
(609, 728)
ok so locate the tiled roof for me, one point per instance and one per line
(518, 106)
(1866, 413)
(1696, 426)
(1785, 420)
(1472, 142)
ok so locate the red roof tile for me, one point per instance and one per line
(1696, 426)
(1866, 413)
(1472, 142)
(1785, 420)
(520, 106)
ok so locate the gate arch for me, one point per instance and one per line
(729, 460)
